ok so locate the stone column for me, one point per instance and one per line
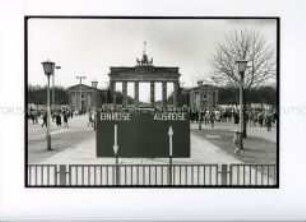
(124, 92)
(136, 92)
(75, 100)
(175, 93)
(216, 97)
(164, 93)
(201, 93)
(113, 91)
(152, 93)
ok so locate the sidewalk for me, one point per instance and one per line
(202, 151)
(260, 132)
(75, 122)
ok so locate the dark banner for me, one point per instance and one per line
(143, 134)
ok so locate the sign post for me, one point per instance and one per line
(170, 134)
(116, 148)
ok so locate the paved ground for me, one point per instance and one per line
(260, 145)
(76, 144)
(259, 132)
(62, 138)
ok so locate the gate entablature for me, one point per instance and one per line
(145, 71)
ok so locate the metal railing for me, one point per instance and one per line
(152, 175)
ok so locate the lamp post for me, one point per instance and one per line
(81, 78)
(94, 85)
(200, 83)
(242, 65)
(53, 87)
(48, 67)
(170, 134)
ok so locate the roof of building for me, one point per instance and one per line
(73, 87)
(207, 86)
(143, 65)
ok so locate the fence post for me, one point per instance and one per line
(62, 175)
(117, 171)
(224, 173)
(170, 172)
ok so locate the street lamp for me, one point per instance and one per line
(242, 65)
(81, 78)
(53, 87)
(48, 67)
(94, 85)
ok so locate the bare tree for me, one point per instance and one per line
(244, 45)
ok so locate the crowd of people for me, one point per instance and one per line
(253, 118)
(58, 117)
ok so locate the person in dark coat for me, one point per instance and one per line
(58, 120)
(66, 119)
(44, 120)
(236, 117)
(268, 121)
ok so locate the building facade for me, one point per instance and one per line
(203, 97)
(84, 98)
(145, 71)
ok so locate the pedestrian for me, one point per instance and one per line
(44, 120)
(268, 121)
(260, 118)
(90, 120)
(32, 118)
(66, 120)
(36, 118)
(236, 118)
(58, 119)
(212, 119)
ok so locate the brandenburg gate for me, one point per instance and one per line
(145, 71)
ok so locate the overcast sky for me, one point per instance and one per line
(90, 46)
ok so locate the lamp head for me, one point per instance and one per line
(242, 65)
(48, 67)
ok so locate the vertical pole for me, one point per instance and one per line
(80, 96)
(62, 175)
(200, 119)
(48, 115)
(241, 112)
(124, 92)
(152, 93)
(117, 170)
(164, 93)
(170, 134)
(136, 89)
(116, 150)
(53, 91)
(175, 93)
(224, 174)
(170, 170)
(113, 91)
(95, 108)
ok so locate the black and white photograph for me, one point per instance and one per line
(152, 102)
(131, 110)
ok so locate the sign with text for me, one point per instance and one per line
(142, 134)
